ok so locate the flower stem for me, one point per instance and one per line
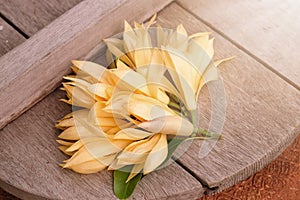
(207, 134)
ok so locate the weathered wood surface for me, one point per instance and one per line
(31, 15)
(30, 157)
(9, 38)
(262, 117)
(268, 30)
(36, 67)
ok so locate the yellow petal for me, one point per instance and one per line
(147, 108)
(132, 134)
(99, 89)
(157, 155)
(137, 152)
(89, 167)
(135, 171)
(79, 97)
(94, 70)
(64, 143)
(63, 149)
(173, 125)
(151, 21)
(77, 145)
(70, 134)
(116, 47)
(181, 30)
(65, 123)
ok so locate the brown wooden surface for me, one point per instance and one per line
(30, 158)
(263, 113)
(45, 57)
(266, 29)
(32, 15)
(9, 38)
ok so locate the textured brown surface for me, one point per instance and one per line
(32, 15)
(9, 38)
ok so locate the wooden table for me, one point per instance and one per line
(262, 86)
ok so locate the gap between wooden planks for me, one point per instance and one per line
(35, 68)
(267, 30)
(22, 18)
(9, 38)
(30, 16)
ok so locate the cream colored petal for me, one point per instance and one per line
(89, 167)
(85, 125)
(157, 155)
(65, 123)
(116, 47)
(64, 143)
(114, 165)
(132, 134)
(77, 82)
(135, 171)
(113, 131)
(130, 80)
(183, 76)
(70, 134)
(79, 97)
(97, 112)
(76, 146)
(173, 125)
(63, 149)
(95, 150)
(94, 70)
(147, 108)
(210, 48)
(152, 20)
(181, 30)
(162, 36)
(99, 89)
(136, 152)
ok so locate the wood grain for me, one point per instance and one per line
(262, 116)
(37, 65)
(9, 38)
(267, 29)
(30, 157)
(31, 15)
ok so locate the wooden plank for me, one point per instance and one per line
(46, 56)
(30, 157)
(263, 113)
(31, 15)
(268, 30)
(9, 38)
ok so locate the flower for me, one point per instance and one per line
(127, 114)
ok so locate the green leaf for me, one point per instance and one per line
(172, 146)
(122, 189)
